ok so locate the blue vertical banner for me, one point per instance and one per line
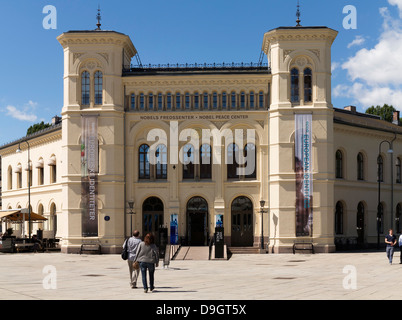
(174, 229)
(219, 221)
(303, 170)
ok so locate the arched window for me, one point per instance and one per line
(339, 165)
(308, 87)
(196, 101)
(215, 100)
(224, 100)
(233, 100)
(360, 166)
(188, 162)
(143, 162)
(41, 171)
(98, 87)
(205, 104)
(205, 162)
(160, 102)
(161, 162)
(187, 101)
(152, 216)
(261, 99)
(142, 102)
(380, 169)
(294, 90)
(85, 90)
(178, 101)
(132, 101)
(232, 154)
(398, 170)
(252, 97)
(339, 218)
(169, 101)
(242, 100)
(250, 147)
(150, 101)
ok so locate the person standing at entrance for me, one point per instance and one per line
(132, 246)
(390, 240)
(148, 256)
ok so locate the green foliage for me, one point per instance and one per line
(385, 112)
(37, 127)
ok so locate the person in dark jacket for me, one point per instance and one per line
(148, 257)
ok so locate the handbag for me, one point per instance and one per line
(124, 254)
(136, 265)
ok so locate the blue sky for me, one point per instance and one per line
(366, 60)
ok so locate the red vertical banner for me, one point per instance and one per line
(304, 181)
(89, 176)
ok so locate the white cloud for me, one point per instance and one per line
(397, 3)
(358, 41)
(376, 72)
(22, 115)
(334, 65)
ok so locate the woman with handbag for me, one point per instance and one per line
(148, 257)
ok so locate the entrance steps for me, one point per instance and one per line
(244, 250)
(192, 253)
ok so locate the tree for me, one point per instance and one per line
(386, 112)
(37, 127)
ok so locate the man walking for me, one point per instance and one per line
(132, 245)
(390, 240)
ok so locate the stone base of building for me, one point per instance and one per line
(104, 249)
(318, 248)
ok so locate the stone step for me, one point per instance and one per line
(244, 250)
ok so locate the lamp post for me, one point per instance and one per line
(29, 186)
(131, 205)
(262, 204)
(380, 176)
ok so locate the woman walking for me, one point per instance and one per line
(148, 256)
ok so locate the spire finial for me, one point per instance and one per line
(298, 14)
(98, 17)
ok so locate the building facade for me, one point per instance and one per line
(177, 142)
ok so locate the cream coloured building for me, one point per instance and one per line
(86, 169)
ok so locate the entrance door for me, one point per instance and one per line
(242, 222)
(152, 217)
(360, 223)
(197, 221)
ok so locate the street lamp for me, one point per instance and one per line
(29, 186)
(131, 205)
(262, 204)
(380, 174)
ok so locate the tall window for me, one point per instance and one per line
(308, 87)
(187, 101)
(142, 102)
(188, 162)
(178, 101)
(98, 87)
(261, 99)
(205, 104)
(10, 178)
(339, 218)
(242, 100)
(339, 165)
(85, 82)
(215, 100)
(360, 166)
(143, 162)
(132, 101)
(169, 101)
(233, 100)
(160, 102)
(205, 162)
(398, 170)
(161, 162)
(196, 101)
(294, 90)
(380, 169)
(150, 101)
(224, 100)
(250, 148)
(252, 104)
(398, 218)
